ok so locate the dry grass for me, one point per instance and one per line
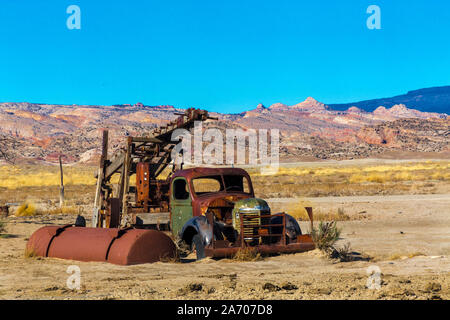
(175, 259)
(398, 256)
(298, 211)
(353, 180)
(27, 209)
(65, 210)
(13, 177)
(29, 253)
(74, 195)
(40, 184)
(247, 254)
(440, 170)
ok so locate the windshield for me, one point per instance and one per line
(228, 183)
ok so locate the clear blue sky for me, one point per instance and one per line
(221, 55)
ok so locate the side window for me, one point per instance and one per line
(180, 189)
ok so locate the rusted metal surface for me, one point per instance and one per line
(113, 214)
(142, 183)
(117, 246)
(309, 210)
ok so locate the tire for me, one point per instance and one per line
(198, 246)
(292, 228)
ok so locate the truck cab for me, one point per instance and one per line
(196, 191)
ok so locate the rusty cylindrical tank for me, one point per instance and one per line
(118, 246)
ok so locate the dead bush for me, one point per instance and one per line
(247, 254)
(344, 253)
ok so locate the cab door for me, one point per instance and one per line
(180, 204)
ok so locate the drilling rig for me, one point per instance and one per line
(145, 203)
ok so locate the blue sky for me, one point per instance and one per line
(225, 56)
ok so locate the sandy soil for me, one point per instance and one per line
(407, 237)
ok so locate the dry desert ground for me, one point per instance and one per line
(406, 236)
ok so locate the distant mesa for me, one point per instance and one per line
(435, 99)
(141, 105)
(47, 130)
(402, 111)
(354, 110)
(278, 106)
(310, 104)
(260, 108)
(166, 107)
(380, 110)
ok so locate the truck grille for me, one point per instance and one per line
(251, 224)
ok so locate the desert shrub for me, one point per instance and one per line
(247, 254)
(325, 238)
(343, 253)
(26, 209)
(326, 235)
(2, 227)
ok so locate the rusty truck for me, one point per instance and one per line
(140, 217)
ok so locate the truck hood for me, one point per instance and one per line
(221, 198)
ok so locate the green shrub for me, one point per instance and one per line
(326, 235)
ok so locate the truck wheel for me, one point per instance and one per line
(198, 246)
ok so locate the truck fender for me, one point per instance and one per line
(197, 225)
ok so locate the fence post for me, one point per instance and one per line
(61, 188)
